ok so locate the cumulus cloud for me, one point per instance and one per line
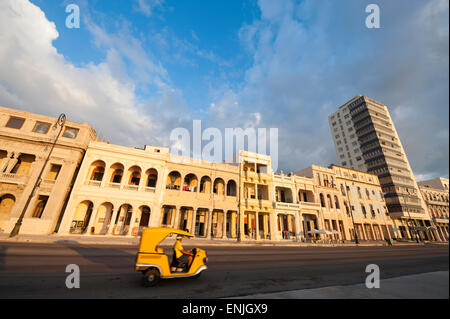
(311, 57)
(35, 77)
(307, 58)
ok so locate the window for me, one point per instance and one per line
(40, 206)
(41, 128)
(363, 208)
(70, 132)
(135, 178)
(15, 122)
(117, 176)
(53, 172)
(97, 174)
(322, 200)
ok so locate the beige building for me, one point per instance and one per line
(95, 188)
(310, 211)
(348, 199)
(120, 190)
(25, 142)
(200, 197)
(436, 194)
(286, 207)
(364, 204)
(256, 219)
(365, 139)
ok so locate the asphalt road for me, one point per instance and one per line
(38, 270)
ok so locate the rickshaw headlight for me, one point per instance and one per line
(205, 260)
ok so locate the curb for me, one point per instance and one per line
(135, 241)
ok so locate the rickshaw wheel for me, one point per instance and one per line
(151, 277)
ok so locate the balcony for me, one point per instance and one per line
(441, 219)
(94, 183)
(310, 204)
(150, 189)
(290, 206)
(131, 187)
(13, 178)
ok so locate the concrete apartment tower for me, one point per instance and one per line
(365, 139)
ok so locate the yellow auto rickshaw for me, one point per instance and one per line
(154, 263)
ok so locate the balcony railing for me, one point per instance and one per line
(95, 183)
(131, 187)
(309, 204)
(13, 178)
(281, 205)
(114, 185)
(150, 189)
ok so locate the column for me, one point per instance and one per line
(5, 161)
(12, 161)
(194, 215)
(257, 226)
(224, 225)
(297, 227)
(208, 222)
(177, 218)
(266, 225)
(111, 222)
(133, 217)
(92, 218)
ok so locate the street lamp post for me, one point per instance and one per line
(60, 122)
(351, 213)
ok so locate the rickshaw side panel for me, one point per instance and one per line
(145, 260)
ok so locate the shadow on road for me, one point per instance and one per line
(112, 258)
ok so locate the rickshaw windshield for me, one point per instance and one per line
(152, 237)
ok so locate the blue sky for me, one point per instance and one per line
(196, 41)
(137, 69)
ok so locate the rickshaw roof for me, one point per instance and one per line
(151, 237)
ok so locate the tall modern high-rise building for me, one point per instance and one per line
(365, 139)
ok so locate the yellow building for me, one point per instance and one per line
(120, 190)
(200, 197)
(256, 219)
(348, 199)
(25, 143)
(117, 191)
(362, 194)
(436, 195)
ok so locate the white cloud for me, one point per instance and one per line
(147, 7)
(35, 77)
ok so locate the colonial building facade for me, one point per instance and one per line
(93, 188)
(121, 190)
(25, 142)
(349, 200)
(436, 195)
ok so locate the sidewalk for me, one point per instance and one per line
(133, 241)
(433, 285)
